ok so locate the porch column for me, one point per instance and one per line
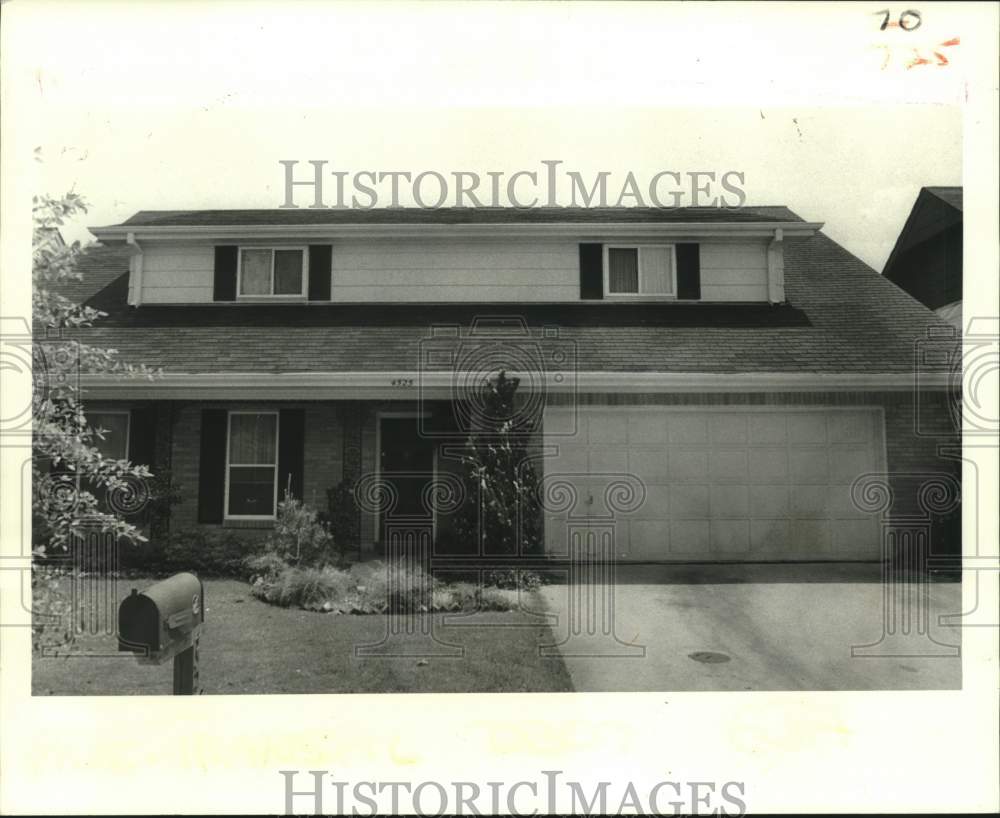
(159, 523)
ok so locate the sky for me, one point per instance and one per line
(828, 166)
(185, 106)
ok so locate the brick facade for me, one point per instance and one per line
(323, 462)
(340, 440)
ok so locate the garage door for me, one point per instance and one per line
(722, 484)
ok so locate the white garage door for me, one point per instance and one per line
(722, 484)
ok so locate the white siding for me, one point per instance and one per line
(734, 271)
(455, 270)
(177, 273)
(435, 270)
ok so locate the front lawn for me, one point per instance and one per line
(249, 646)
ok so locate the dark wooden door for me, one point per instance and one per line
(407, 461)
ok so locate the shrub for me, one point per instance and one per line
(374, 587)
(447, 598)
(393, 588)
(51, 623)
(342, 516)
(467, 596)
(205, 552)
(219, 553)
(263, 566)
(299, 537)
(498, 599)
(312, 588)
(513, 579)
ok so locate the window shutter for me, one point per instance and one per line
(225, 273)
(142, 437)
(688, 272)
(212, 466)
(591, 271)
(291, 450)
(320, 262)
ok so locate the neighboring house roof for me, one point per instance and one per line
(951, 314)
(935, 210)
(950, 195)
(841, 317)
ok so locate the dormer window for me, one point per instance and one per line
(637, 271)
(271, 272)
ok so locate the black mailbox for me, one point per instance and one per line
(162, 621)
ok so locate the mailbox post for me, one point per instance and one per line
(186, 671)
(164, 622)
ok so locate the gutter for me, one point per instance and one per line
(410, 385)
(584, 231)
(135, 271)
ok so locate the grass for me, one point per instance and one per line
(249, 646)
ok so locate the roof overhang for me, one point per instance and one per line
(212, 233)
(265, 386)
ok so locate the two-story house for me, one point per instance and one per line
(740, 366)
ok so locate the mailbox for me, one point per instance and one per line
(164, 620)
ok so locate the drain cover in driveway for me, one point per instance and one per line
(708, 657)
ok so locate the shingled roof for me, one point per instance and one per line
(456, 215)
(951, 195)
(841, 317)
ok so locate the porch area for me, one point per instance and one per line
(362, 464)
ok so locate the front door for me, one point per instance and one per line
(406, 460)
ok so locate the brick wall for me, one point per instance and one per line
(324, 451)
(322, 467)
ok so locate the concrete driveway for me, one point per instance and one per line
(753, 627)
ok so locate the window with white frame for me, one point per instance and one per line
(271, 271)
(111, 430)
(640, 270)
(252, 465)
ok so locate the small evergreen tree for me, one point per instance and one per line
(502, 508)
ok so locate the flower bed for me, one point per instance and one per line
(374, 587)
